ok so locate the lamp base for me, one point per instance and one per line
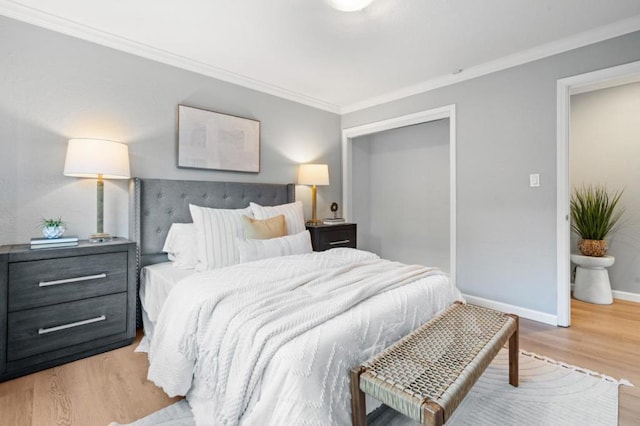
(100, 238)
(314, 222)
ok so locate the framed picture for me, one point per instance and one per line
(210, 140)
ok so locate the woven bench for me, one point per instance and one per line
(428, 373)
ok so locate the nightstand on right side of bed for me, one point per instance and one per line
(325, 237)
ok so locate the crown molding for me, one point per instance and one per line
(586, 38)
(55, 23)
(85, 32)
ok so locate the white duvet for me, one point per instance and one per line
(271, 342)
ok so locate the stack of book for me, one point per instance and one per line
(44, 243)
(332, 220)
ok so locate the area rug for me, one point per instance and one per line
(550, 393)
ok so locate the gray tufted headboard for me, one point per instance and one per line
(157, 203)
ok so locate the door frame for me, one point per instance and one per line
(595, 80)
(448, 111)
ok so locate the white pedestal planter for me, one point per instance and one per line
(592, 279)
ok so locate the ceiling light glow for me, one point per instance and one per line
(349, 5)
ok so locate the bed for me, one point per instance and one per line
(268, 341)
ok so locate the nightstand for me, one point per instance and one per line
(61, 304)
(325, 237)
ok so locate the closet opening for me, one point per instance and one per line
(399, 187)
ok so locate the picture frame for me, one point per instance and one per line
(215, 141)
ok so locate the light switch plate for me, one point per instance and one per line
(534, 180)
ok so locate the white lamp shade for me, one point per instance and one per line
(313, 174)
(89, 158)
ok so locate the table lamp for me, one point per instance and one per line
(101, 159)
(314, 175)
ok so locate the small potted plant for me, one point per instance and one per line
(52, 228)
(594, 214)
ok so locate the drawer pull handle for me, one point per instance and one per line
(72, 280)
(335, 243)
(71, 325)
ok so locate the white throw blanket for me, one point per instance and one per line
(224, 327)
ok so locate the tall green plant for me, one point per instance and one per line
(595, 212)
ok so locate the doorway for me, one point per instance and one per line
(350, 134)
(601, 79)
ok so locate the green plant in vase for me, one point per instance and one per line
(52, 228)
(595, 213)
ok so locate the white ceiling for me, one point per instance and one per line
(307, 51)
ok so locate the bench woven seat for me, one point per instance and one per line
(427, 374)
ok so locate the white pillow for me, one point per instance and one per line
(250, 250)
(216, 233)
(293, 215)
(180, 245)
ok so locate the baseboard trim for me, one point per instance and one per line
(625, 295)
(513, 309)
(622, 295)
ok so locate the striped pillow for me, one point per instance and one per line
(293, 215)
(216, 233)
(250, 250)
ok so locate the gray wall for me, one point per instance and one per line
(361, 190)
(605, 149)
(506, 129)
(55, 87)
(401, 182)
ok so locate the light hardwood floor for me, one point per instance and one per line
(113, 386)
(602, 338)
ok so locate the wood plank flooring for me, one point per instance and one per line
(602, 338)
(91, 391)
(113, 386)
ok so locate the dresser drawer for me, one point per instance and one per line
(34, 331)
(46, 282)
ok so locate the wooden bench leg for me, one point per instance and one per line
(432, 414)
(514, 354)
(358, 404)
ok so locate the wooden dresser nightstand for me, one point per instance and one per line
(325, 237)
(62, 304)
